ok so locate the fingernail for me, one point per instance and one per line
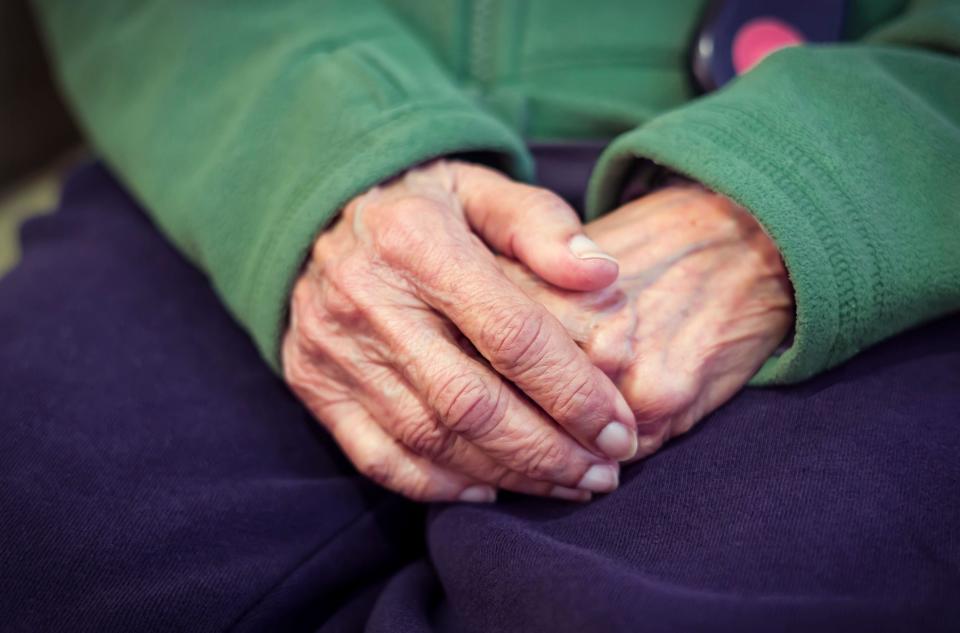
(570, 494)
(585, 248)
(478, 494)
(600, 478)
(650, 444)
(617, 441)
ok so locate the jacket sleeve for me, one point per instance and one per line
(243, 126)
(849, 156)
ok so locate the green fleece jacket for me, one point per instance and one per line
(243, 126)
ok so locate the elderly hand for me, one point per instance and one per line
(437, 376)
(702, 301)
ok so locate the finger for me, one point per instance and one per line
(526, 344)
(534, 226)
(377, 456)
(321, 368)
(405, 417)
(468, 398)
(446, 268)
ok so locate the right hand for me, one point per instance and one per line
(703, 299)
(437, 376)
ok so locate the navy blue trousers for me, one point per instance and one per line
(155, 476)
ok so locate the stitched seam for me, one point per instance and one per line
(846, 304)
(850, 206)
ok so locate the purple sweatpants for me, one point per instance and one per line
(155, 476)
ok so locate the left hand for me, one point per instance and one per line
(702, 301)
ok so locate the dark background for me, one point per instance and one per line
(34, 124)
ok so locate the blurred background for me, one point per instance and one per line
(38, 140)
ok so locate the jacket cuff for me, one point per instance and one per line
(742, 152)
(385, 149)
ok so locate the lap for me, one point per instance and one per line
(155, 475)
(831, 505)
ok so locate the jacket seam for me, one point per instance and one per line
(847, 205)
(839, 264)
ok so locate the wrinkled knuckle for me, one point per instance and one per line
(394, 238)
(412, 209)
(500, 475)
(579, 398)
(390, 473)
(469, 406)
(548, 462)
(378, 469)
(405, 230)
(341, 297)
(651, 409)
(667, 398)
(345, 270)
(517, 338)
(312, 338)
(426, 439)
(341, 305)
(314, 305)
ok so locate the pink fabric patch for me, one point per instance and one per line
(760, 37)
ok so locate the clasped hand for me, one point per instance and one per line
(458, 333)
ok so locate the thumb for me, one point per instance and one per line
(534, 226)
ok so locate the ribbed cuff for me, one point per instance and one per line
(743, 155)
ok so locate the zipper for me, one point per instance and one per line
(482, 49)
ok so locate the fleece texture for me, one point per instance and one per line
(244, 126)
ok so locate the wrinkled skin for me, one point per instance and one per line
(702, 301)
(437, 376)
